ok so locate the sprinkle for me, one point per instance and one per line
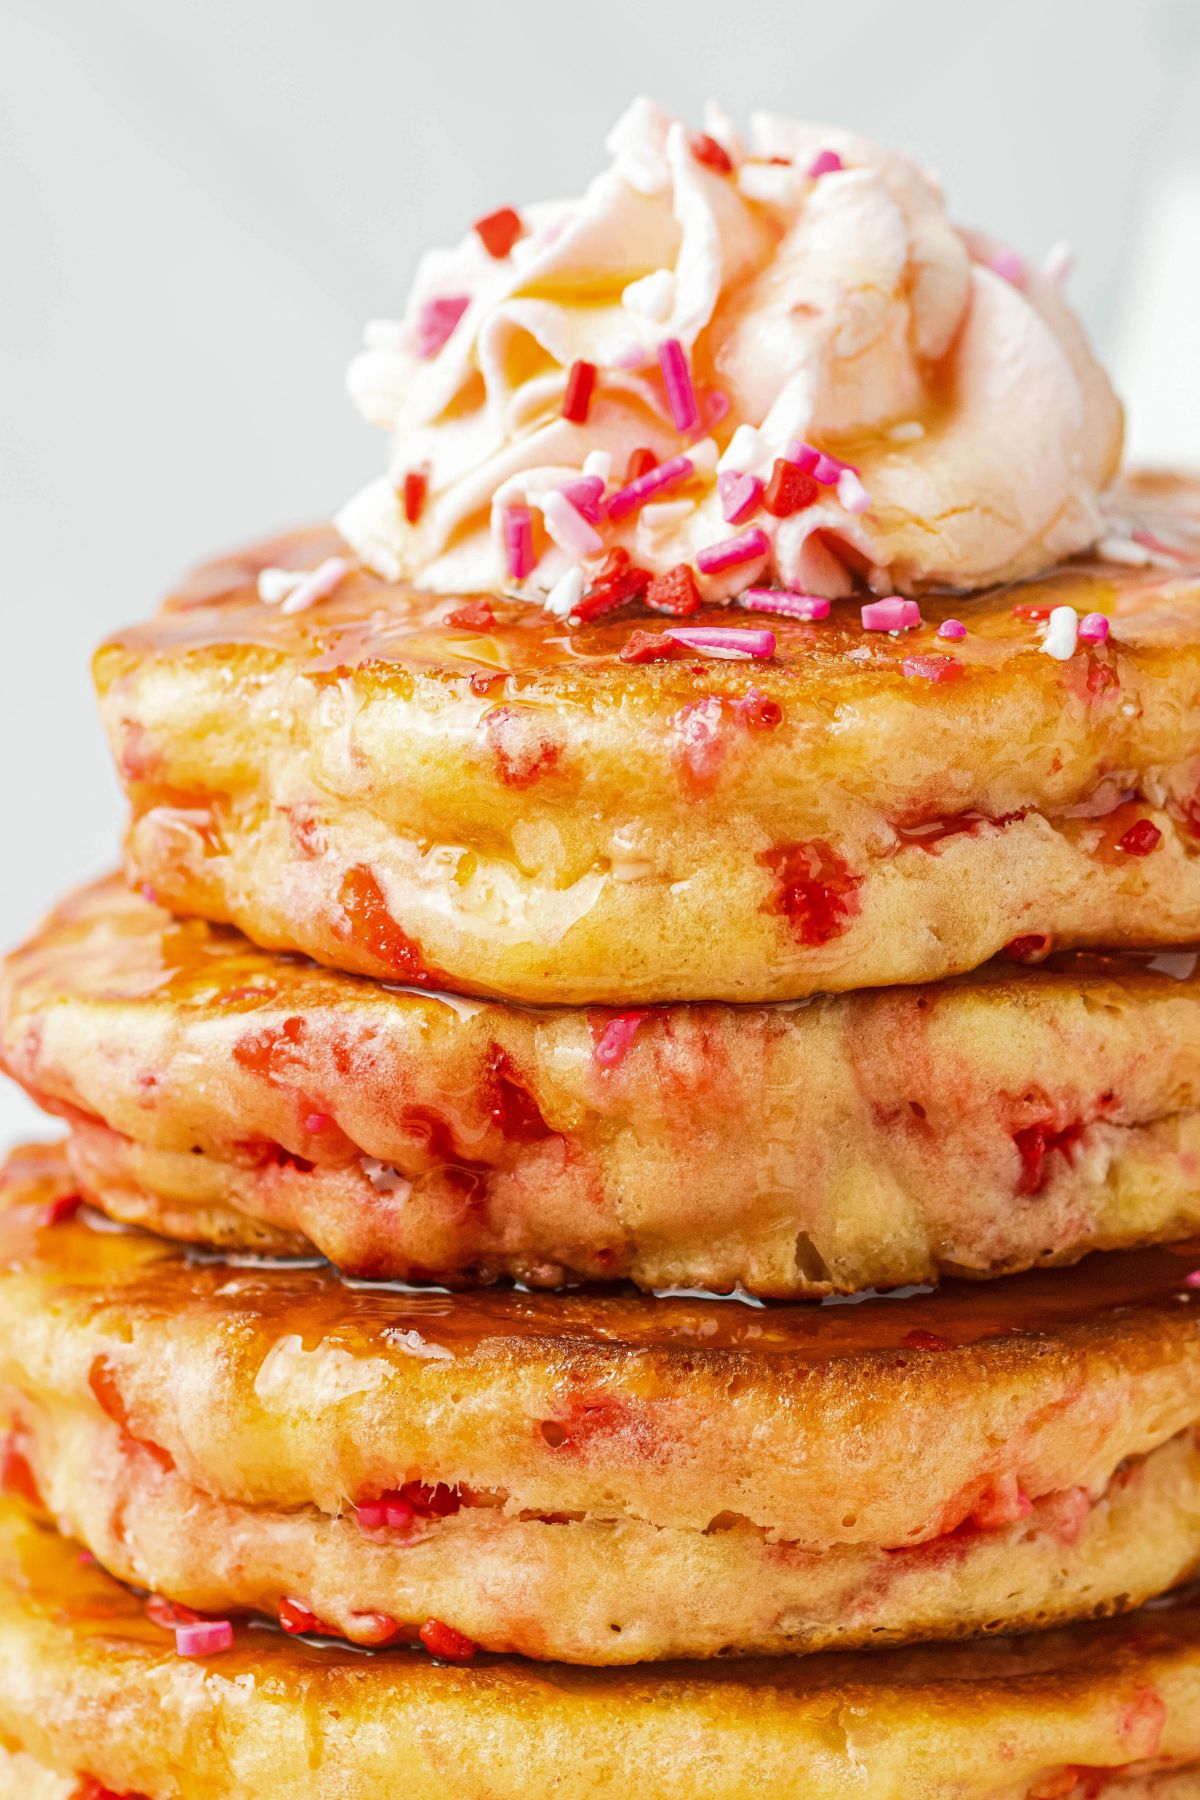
(1027, 610)
(785, 601)
(647, 647)
(445, 1643)
(416, 486)
(826, 162)
(566, 593)
(706, 150)
(611, 1044)
(1192, 1280)
(317, 585)
(499, 231)
(952, 628)
(1142, 837)
(274, 585)
(58, 1210)
(893, 614)
(728, 644)
(205, 1638)
(746, 450)
(581, 379)
(652, 296)
(1060, 260)
(641, 461)
(675, 592)
(739, 495)
(909, 431)
(597, 466)
(638, 491)
(391, 1512)
(476, 615)
(1061, 633)
(745, 548)
(932, 668)
(789, 490)
(518, 541)
(714, 406)
(568, 528)
(703, 455)
(681, 396)
(824, 468)
(851, 492)
(1093, 628)
(1010, 266)
(585, 494)
(619, 582)
(436, 322)
(634, 356)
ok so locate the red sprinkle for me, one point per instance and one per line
(648, 647)
(674, 593)
(294, 1617)
(618, 583)
(499, 231)
(640, 463)
(57, 1212)
(789, 490)
(706, 150)
(416, 486)
(476, 615)
(1026, 611)
(578, 397)
(1033, 948)
(447, 1644)
(932, 667)
(1140, 839)
(612, 1035)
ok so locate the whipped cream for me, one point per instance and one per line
(801, 298)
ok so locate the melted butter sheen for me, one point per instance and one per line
(103, 1266)
(369, 622)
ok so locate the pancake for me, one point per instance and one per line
(92, 1691)
(600, 1477)
(229, 1095)
(512, 809)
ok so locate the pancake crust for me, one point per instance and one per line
(229, 1095)
(825, 1442)
(88, 1685)
(512, 809)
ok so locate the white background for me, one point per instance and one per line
(201, 200)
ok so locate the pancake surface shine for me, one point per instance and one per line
(511, 808)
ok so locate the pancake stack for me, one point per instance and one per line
(629, 1215)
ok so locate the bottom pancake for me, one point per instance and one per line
(94, 1695)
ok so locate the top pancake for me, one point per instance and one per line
(511, 809)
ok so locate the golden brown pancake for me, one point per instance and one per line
(511, 808)
(230, 1095)
(92, 1693)
(601, 1477)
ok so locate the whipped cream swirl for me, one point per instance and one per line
(801, 298)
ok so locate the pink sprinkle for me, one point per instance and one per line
(317, 585)
(851, 492)
(1192, 1280)
(632, 357)
(612, 1045)
(747, 547)
(1009, 266)
(1149, 541)
(677, 374)
(826, 162)
(569, 529)
(436, 321)
(390, 1513)
(824, 468)
(518, 541)
(714, 406)
(1093, 628)
(952, 628)
(727, 644)
(891, 615)
(585, 495)
(205, 1638)
(738, 494)
(786, 602)
(667, 474)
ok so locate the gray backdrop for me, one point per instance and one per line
(203, 199)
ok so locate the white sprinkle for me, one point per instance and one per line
(566, 593)
(568, 527)
(1115, 548)
(598, 462)
(767, 182)
(318, 584)
(1060, 260)
(747, 450)
(703, 456)
(275, 585)
(656, 521)
(907, 433)
(1062, 633)
(651, 297)
(851, 492)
